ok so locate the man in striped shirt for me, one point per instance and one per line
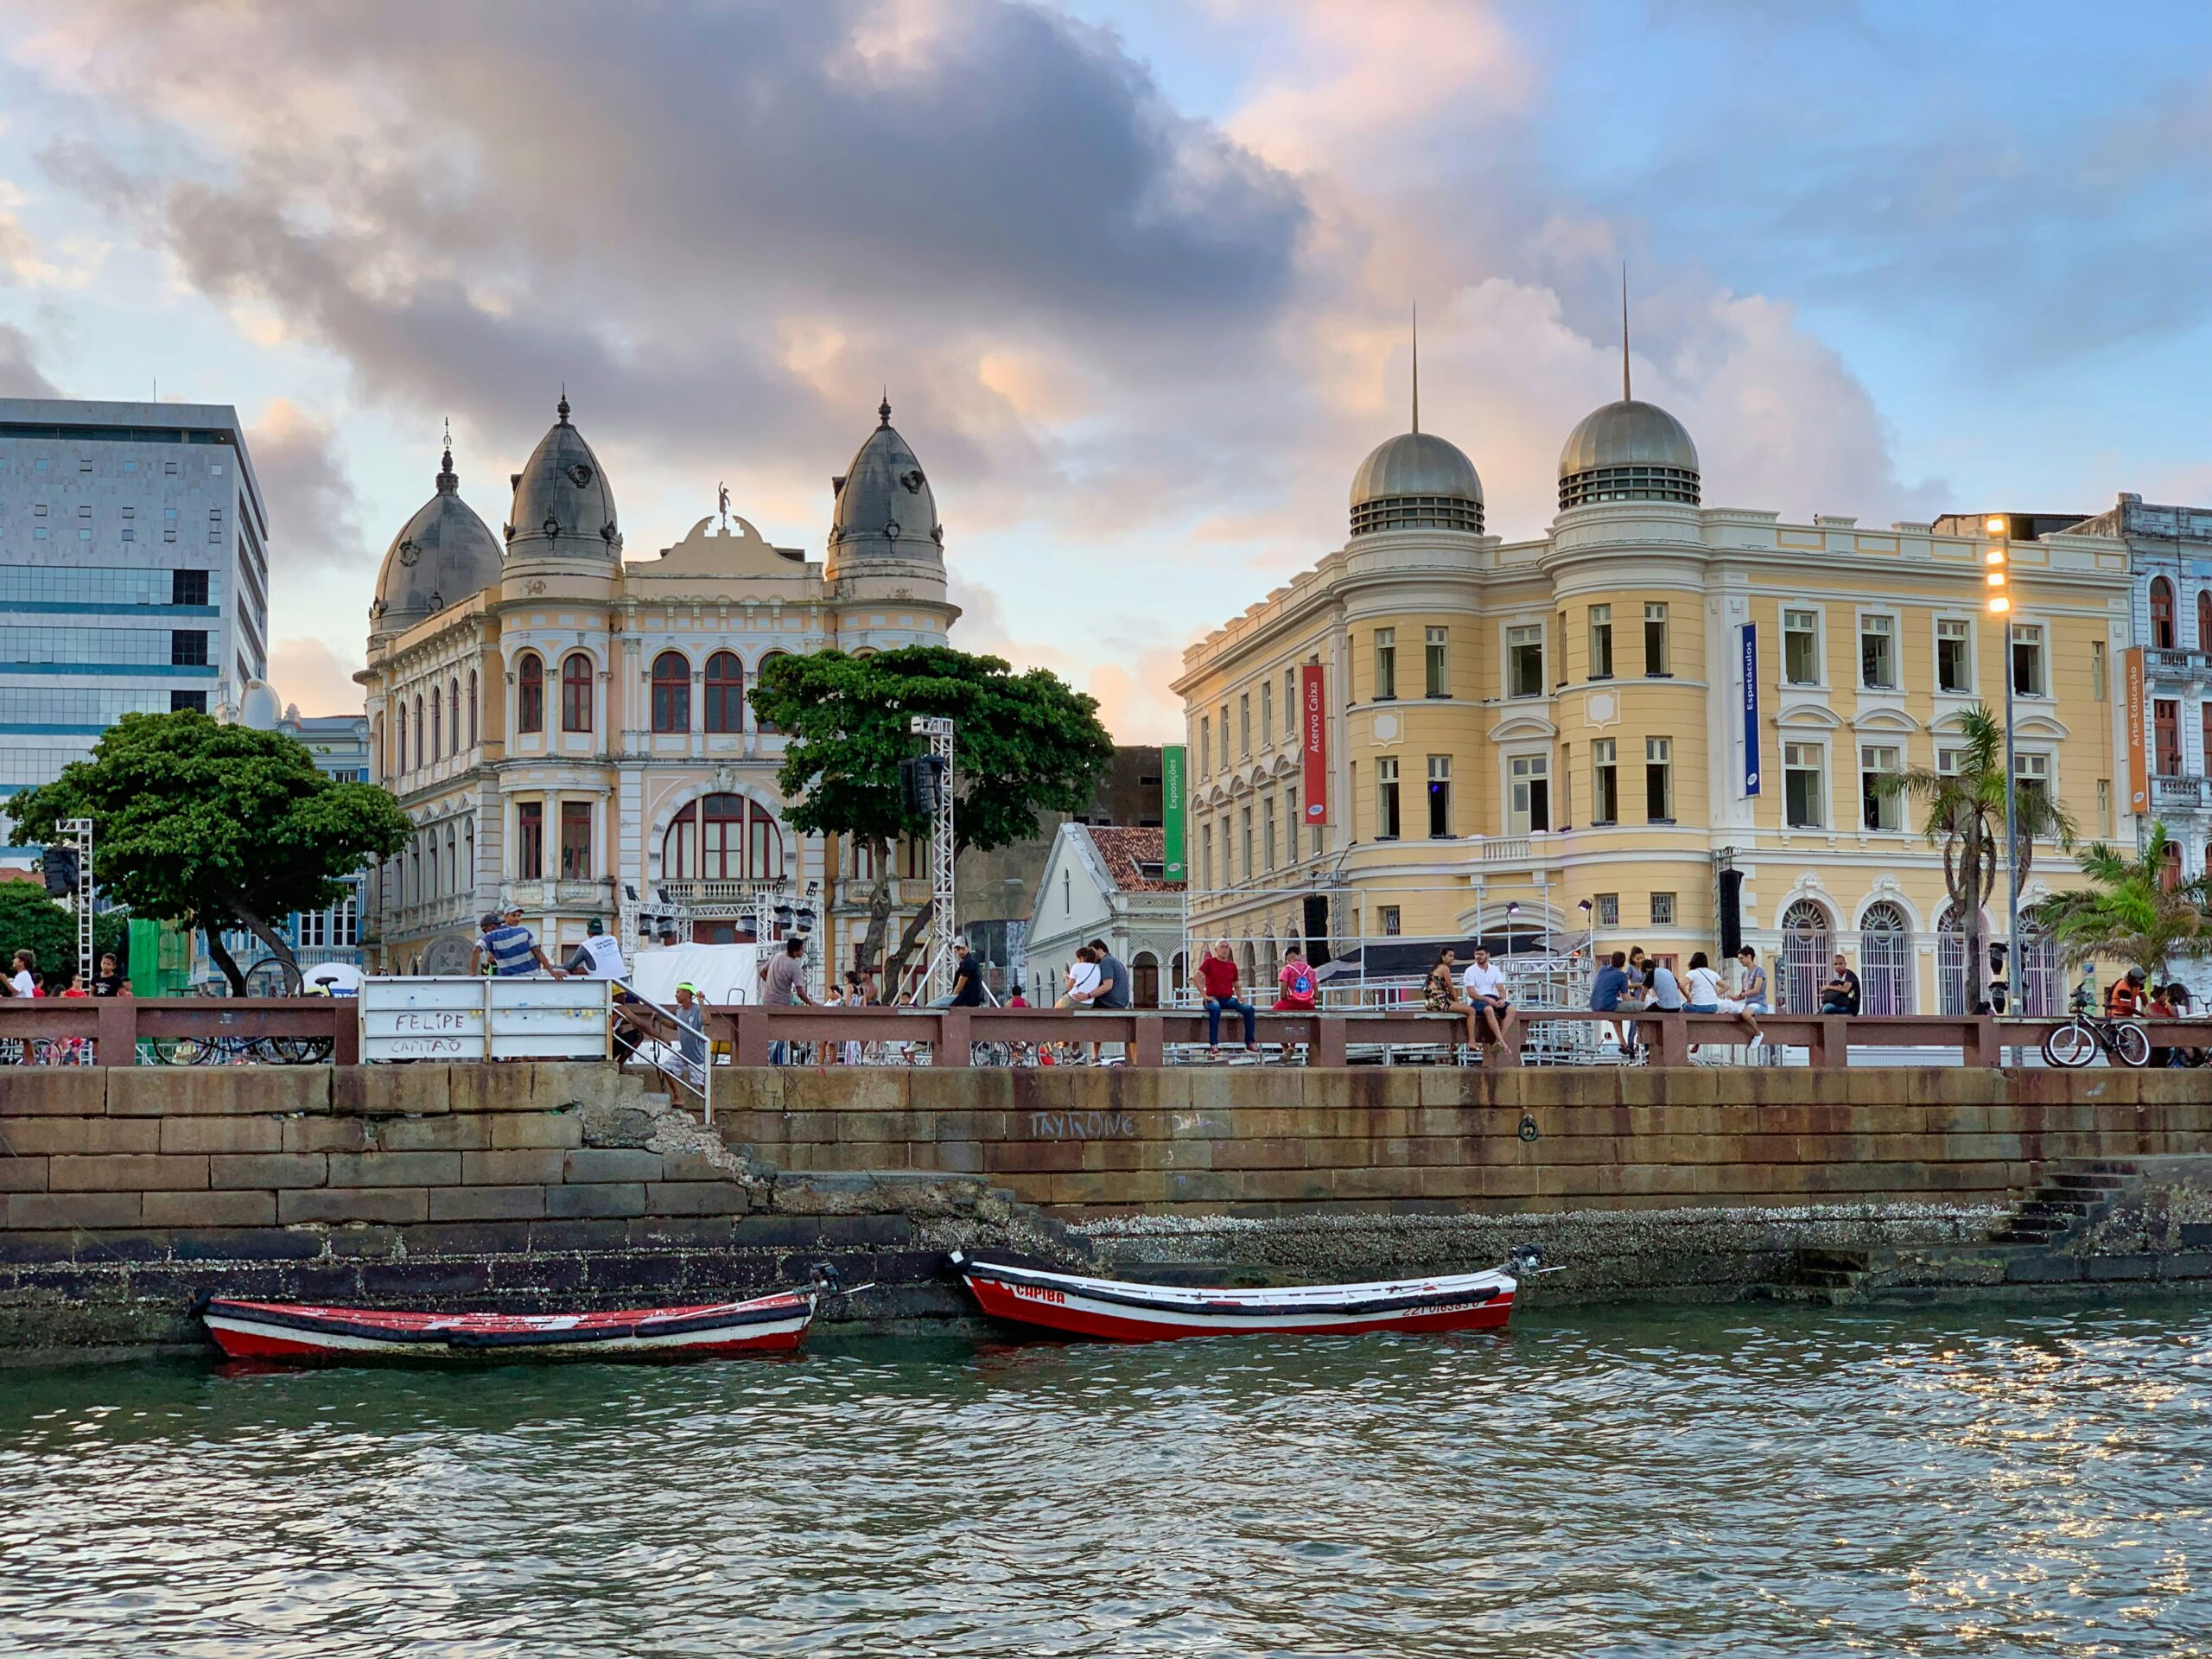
(511, 947)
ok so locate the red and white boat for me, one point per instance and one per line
(765, 1325)
(1123, 1312)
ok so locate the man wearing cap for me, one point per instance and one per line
(512, 948)
(692, 1016)
(967, 980)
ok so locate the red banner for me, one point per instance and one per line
(1314, 741)
(2138, 761)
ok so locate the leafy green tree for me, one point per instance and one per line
(216, 826)
(1963, 812)
(31, 921)
(1022, 744)
(2135, 911)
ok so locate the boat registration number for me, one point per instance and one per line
(1037, 1294)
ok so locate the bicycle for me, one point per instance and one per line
(2086, 1035)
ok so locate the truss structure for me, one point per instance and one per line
(82, 830)
(938, 982)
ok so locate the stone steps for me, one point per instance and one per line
(2077, 1193)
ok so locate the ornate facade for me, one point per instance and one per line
(573, 732)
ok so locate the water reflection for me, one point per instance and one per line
(1686, 1482)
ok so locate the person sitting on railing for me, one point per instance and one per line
(1295, 983)
(967, 981)
(1217, 979)
(1608, 983)
(1439, 992)
(1704, 996)
(1843, 992)
(1487, 1000)
(1750, 984)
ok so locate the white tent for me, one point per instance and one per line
(722, 974)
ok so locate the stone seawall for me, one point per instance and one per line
(126, 1193)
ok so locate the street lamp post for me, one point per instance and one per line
(1999, 560)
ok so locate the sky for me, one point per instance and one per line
(1137, 274)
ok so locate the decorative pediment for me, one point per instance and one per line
(1884, 719)
(2041, 726)
(1817, 716)
(1520, 727)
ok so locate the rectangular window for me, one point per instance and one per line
(1601, 642)
(1266, 714)
(1605, 782)
(1878, 653)
(1606, 909)
(1244, 847)
(1879, 808)
(2098, 678)
(1654, 641)
(1558, 669)
(1663, 910)
(1524, 661)
(2165, 729)
(1659, 779)
(189, 648)
(1440, 797)
(575, 840)
(2027, 660)
(2032, 777)
(1953, 657)
(1800, 786)
(1438, 666)
(1528, 808)
(1290, 730)
(1385, 799)
(1224, 753)
(181, 701)
(1393, 920)
(1947, 763)
(1267, 833)
(188, 587)
(2104, 806)
(1206, 746)
(1386, 664)
(529, 840)
(1244, 724)
(1205, 855)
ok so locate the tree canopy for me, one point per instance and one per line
(2135, 911)
(217, 826)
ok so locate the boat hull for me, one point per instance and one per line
(296, 1331)
(1117, 1311)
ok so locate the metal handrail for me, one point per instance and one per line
(678, 1071)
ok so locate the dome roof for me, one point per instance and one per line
(1627, 434)
(563, 507)
(1416, 480)
(884, 507)
(442, 556)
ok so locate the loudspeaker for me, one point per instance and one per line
(1731, 913)
(1317, 928)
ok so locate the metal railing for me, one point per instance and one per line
(654, 1034)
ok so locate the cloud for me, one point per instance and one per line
(296, 459)
(309, 673)
(19, 372)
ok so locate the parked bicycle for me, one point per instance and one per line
(2088, 1034)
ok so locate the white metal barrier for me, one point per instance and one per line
(485, 1019)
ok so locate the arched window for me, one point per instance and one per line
(723, 838)
(471, 708)
(725, 692)
(432, 890)
(420, 752)
(453, 715)
(2204, 619)
(575, 693)
(415, 877)
(468, 850)
(1884, 960)
(767, 726)
(437, 725)
(529, 699)
(1807, 935)
(672, 692)
(453, 863)
(377, 751)
(399, 740)
(2162, 613)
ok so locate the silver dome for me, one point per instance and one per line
(1416, 480)
(885, 505)
(564, 507)
(1628, 451)
(442, 556)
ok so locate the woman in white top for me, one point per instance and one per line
(1082, 980)
(1703, 994)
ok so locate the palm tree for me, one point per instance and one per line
(1964, 814)
(2136, 913)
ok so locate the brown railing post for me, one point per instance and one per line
(1831, 1045)
(951, 1046)
(116, 1041)
(1329, 1030)
(1982, 1046)
(1673, 1047)
(751, 1024)
(1150, 1047)
(344, 1031)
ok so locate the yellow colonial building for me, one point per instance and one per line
(1655, 713)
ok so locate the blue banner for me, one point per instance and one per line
(1751, 654)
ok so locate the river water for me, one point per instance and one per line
(1700, 1481)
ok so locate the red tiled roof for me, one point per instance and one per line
(1124, 848)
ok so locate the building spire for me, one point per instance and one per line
(448, 481)
(1416, 365)
(1625, 390)
(561, 408)
(883, 409)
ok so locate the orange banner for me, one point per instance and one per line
(2138, 760)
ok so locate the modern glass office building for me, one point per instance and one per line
(134, 571)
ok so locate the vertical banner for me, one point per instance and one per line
(1174, 804)
(1749, 654)
(1313, 742)
(2138, 761)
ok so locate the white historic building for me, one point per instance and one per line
(573, 732)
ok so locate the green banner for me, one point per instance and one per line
(1174, 792)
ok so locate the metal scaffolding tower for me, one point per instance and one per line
(938, 982)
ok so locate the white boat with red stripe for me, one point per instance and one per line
(776, 1323)
(1120, 1311)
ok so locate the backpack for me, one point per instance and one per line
(1301, 984)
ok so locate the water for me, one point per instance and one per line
(1690, 1481)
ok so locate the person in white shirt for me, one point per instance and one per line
(1705, 997)
(1486, 998)
(1083, 979)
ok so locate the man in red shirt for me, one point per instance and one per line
(1294, 984)
(1217, 979)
